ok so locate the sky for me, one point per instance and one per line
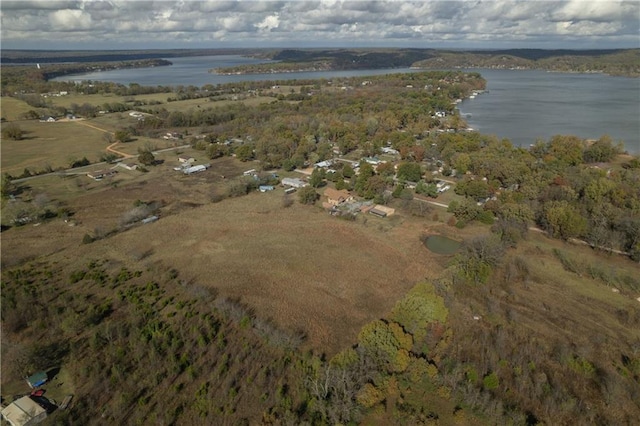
(478, 24)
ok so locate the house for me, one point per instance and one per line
(38, 379)
(387, 150)
(172, 135)
(324, 164)
(266, 188)
(186, 159)
(128, 166)
(294, 182)
(99, 174)
(195, 169)
(336, 197)
(24, 412)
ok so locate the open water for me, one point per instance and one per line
(521, 105)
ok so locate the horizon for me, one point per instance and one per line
(319, 48)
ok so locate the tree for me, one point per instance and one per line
(147, 158)
(307, 195)
(317, 177)
(244, 152)
(347, 171)
(408, 171)
(6, 186)
(601, 150)
(563, 220)
(12, 131)
(122, 135)
(430, 190)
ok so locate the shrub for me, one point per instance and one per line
(307, 195)
(491, 381)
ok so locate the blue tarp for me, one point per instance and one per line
(38, 379)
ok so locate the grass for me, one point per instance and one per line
(206, 103)
(51, 144)
(13, 109)
(298, 266)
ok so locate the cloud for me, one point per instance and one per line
(185, 23)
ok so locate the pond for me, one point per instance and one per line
(441, 245)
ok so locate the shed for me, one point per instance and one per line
(38, 379)
(382, 211)
(377, 212)
(195, 169)
(24, 412)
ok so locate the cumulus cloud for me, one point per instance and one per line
(208, 23)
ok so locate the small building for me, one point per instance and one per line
(336, 197)
(24, 412)
(382, 211)
(387, 150)
(128, 166)
(195, 169)
(186, 159)
(294, 182)
(266, 188)
(38, 379)
(99, 174)
(324, 164)
(149, 219)
(251, 172)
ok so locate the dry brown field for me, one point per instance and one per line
(297, 266)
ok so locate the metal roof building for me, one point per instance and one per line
(24, 412)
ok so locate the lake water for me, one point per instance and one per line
(520, 105)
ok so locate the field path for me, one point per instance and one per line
(84, 123)
(110, 148)
(124, 155)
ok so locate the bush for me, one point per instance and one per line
(491, 381)
(307, 195)
(12, 131)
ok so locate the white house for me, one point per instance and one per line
(294, 182)
(195, 169)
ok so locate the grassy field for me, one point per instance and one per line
(12, 109)
(298, 266)
(51, 144)
(206, 103)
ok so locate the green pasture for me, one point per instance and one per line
(51, 144)
(12, 109)
(207, 103)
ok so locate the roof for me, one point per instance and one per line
(338, 195)
(295, 182)
(387, 210)
(24, 411)
(37, 379)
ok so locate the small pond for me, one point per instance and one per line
(441, 245)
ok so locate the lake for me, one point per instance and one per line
(521, 105)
